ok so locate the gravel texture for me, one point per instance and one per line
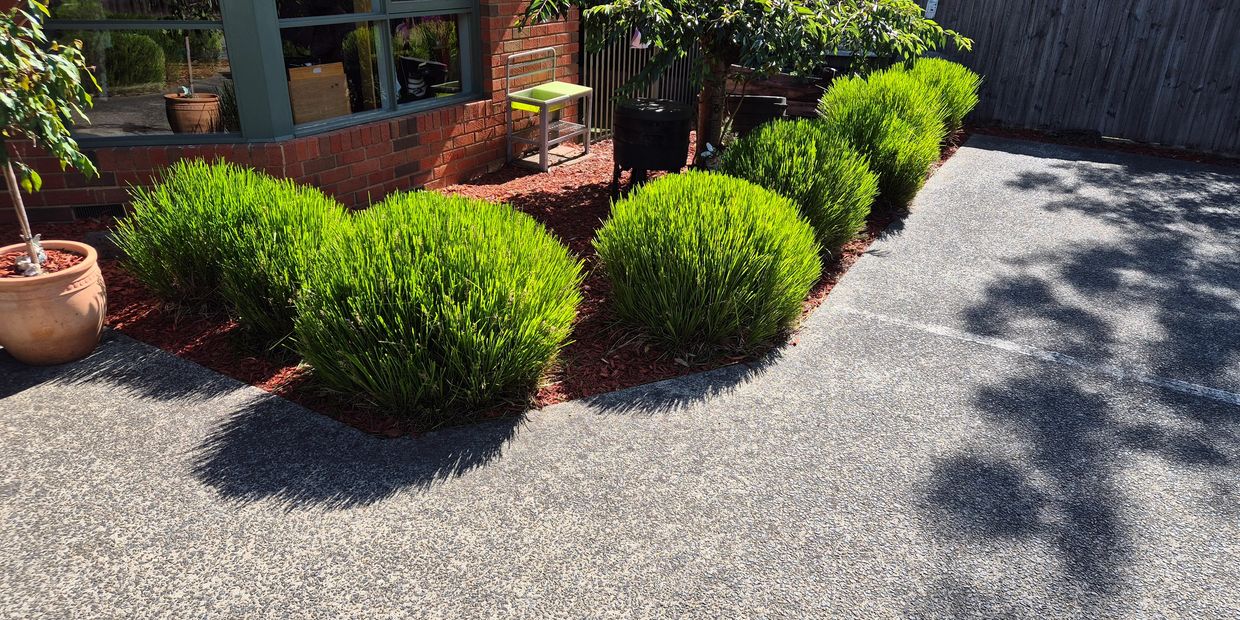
(897, 462)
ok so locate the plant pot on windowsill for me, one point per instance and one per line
(194, 113)
(56, 317)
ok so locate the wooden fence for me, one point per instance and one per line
(1159, 71)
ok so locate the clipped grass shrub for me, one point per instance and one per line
(134, 59)
(703, 261)
(432, 306)
(802, 159)
(266, 252)
(175, 235)
(955, 84)
(893, 120)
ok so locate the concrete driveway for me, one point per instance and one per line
(1023, 404)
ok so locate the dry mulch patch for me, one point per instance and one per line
(571, 200)
(57, 260)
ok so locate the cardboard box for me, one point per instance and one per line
(318, 92)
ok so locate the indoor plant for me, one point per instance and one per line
(51, 311)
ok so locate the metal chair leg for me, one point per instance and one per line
(589, 118)
(544, 131)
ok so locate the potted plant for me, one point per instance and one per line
(52, 296)
(191, 112)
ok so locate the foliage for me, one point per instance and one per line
(175, 236)
(134, 59)
(955, 84)
(892, 120)
(41, 91)
(702, 261)
(432, 306)
(265, 255)
(764, 35)
(362, 65)
(801, 159)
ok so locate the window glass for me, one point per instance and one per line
(135, 69)
(318, 8)
(427, 56)
(86, 10)
(332, 70)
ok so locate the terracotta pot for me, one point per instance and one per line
(196, 113)
(53, 318)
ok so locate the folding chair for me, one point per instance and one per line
(543, 99)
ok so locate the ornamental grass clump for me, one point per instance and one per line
(266, 253)
(704, 262)
(955, 84)
(802, 159)
(176, 234)
(895, 122)
(435, 306)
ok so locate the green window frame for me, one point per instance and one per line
(252, 31)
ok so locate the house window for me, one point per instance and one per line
(304, 66)
(141, 50)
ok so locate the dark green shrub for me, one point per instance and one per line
(134, 59)
(267, 251)
(828, 179)
(703, 261)
(174, 235)
(431, 306)
(892, 120)
(955, 84)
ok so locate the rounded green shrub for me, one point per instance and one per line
(898, 127)
(133, 59)
(267, 252)
(955, 84)
(431, 306)
(702, 261)
(802, 159)
(175, 233)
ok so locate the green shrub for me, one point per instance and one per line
(432, 306)
(955, 85)
(134, 59)
(828, 179)
(891, 121)
(266, 253)
(174, 234)
(704, 261)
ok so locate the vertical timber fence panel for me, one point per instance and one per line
(607, 70)
(1158, 71)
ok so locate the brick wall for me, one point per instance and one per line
(357, 164)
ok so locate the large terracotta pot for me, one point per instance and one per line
(196, 113)
(53, 318)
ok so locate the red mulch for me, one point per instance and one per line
(571, 200)
(57, 260)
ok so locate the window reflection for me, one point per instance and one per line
(333, 70)
(427, 55)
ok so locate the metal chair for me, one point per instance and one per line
(544, 99)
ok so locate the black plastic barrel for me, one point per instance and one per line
(652, 134)
(750, 111)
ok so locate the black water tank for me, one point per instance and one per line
(750, 111)
(651, 134)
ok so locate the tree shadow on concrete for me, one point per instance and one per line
(126, 365)
(1173, 273)
(274, 451)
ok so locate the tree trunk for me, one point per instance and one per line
(10, 181)
(708, 102)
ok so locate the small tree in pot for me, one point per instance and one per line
(766, 36)
(44, 317)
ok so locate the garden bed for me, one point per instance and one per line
(572, 201)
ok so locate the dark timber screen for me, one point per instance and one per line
(1161, 71)
(605, 71)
